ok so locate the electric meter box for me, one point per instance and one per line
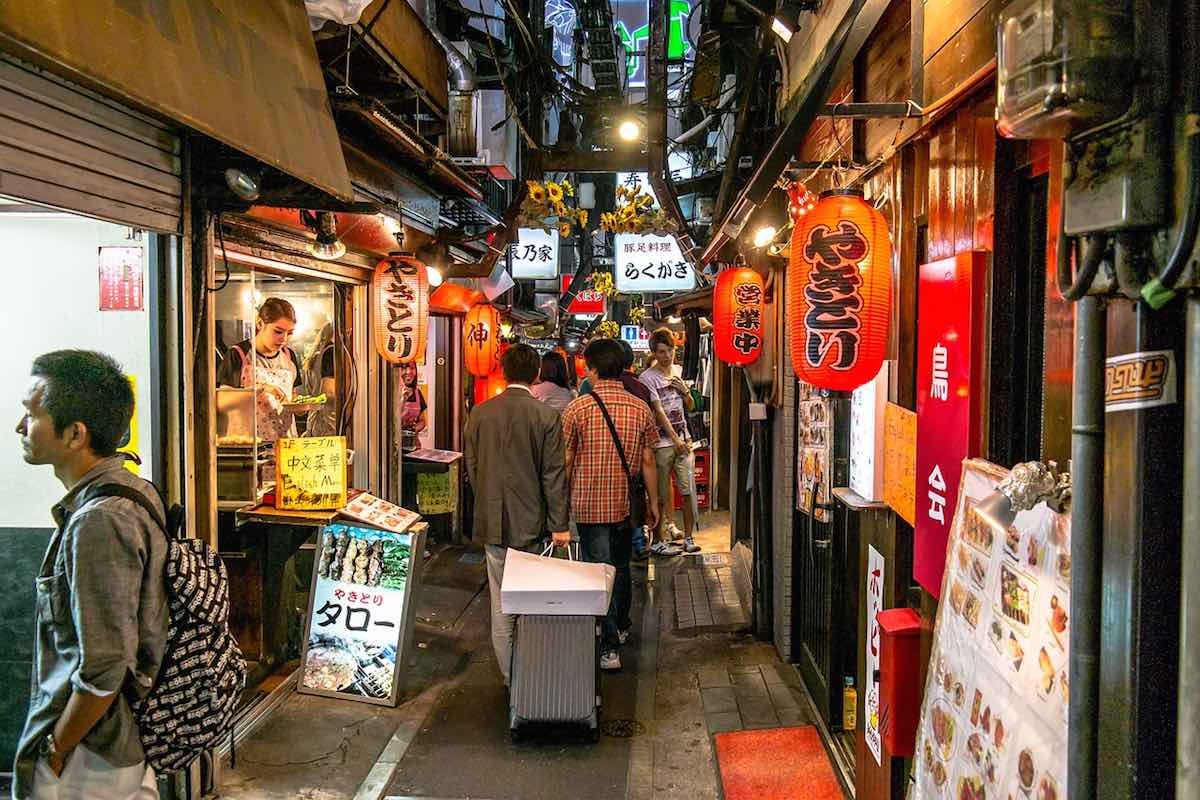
(1063, 66)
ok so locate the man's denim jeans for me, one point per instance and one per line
(611, 544)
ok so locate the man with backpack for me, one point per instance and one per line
(101, 616)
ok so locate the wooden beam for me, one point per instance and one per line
(594, 161)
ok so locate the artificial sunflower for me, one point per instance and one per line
(568, 188)
(536, 192)
(564, 229)
(554, 191)
(559, 209)
(583, 217)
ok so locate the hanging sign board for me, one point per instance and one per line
(647, 264)
(949, 399)
(637, 337)
(867, 403)
(311, 473)
(900, 461)
(874, 606)
(437, 492)
(994, 713)
(534, 256)
(360, 615)
(586, 301)
(121, 278)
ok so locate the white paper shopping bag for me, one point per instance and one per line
(536, 584)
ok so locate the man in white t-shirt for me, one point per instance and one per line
(671, 401)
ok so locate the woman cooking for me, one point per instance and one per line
(274, 371)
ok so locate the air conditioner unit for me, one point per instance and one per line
(475, 139)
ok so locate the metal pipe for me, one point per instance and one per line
(1187, 769)
(462, 74)
(1087, 534)
(1074, 287)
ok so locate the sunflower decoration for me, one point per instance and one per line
(635, 213)
(608, 329)
(637, 315)
(602, 283)
(546, 207)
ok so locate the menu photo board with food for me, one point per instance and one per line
(360, 614)
(994, 713)
(310, 473)
(814, 432)
(368, 508)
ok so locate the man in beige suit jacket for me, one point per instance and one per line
(514, 454)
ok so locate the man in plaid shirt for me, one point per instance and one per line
(599, 486)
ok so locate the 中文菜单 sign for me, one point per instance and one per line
(311, 473)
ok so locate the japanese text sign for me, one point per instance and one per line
(645, 263)
(311, 473)
(874, 606)
(950, 293)
(867, 404)
(994, 710)
(535, 254)
(586, 301)
(900, 461)
(401, 287)
(359, 614)
(121, 278)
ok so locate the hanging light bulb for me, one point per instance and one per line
(435, 276)
(327, 246)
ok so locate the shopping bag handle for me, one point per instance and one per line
(549, 549)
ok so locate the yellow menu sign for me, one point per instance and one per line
(310, 473)
(900, 461)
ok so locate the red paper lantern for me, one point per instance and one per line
(481, 340)
(738, 316)
(839, 288)
(489, 386)
(580, 366)
(401, 289)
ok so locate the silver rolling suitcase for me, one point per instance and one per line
(556, 672)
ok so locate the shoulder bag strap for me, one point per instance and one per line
(613, 430)
(129, 493)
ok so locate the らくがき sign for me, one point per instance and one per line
(360, 612)
(647, 264)
(535, 254)
(949, 400)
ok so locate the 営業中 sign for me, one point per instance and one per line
(310, 473)
(949, 400)
(645, 263)
(535, 254)
(359, 615)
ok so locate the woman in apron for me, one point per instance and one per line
(413, 411)
(273, 370)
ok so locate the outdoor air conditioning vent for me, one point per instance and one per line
(482, 134)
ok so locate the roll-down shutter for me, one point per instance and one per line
(64, 146)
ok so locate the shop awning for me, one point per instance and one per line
(243, 73)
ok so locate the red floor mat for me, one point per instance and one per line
(776, 764)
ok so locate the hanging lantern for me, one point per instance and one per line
(489, 386)
(580, 366)
(401, 309)
(481, 340)
(738, 316)
(839, 287)
(800, 201)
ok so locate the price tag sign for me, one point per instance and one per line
(311, 473)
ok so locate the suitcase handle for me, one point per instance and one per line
(549, 549)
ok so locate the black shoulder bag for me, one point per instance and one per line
(637, 484)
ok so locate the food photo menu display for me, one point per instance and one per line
(994, 714)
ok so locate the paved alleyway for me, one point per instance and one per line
(689, 670)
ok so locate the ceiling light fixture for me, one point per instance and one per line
(629, 131)
(243, 183)
(786, 20)
(764, 235)
(434, 275)
(328, 246)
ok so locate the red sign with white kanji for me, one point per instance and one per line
(587, 301)
(950, 294)
(121, 278)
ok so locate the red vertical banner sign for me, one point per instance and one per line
(950, 294)
(121, 278)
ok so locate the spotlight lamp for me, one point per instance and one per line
(629, 131)
(786, 21)
(328, 246)
(246, 184)
(764, 235)
(435, 276)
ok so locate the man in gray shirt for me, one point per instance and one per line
(514, 453)
(101, 617)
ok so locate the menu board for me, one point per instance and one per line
(437, 492)
(359, 611)
(994, 714)
(814, 430)
(379, 512)
(311, 473)
(900, 461)
(866, 446)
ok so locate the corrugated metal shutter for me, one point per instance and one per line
(64, 146)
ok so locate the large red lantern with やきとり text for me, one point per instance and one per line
(481, 340)
(401, 289)
(839, 289)
(738, 316)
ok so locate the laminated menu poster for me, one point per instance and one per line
(359, 616)
(379, 512)
(814, 431)
(994, 715)
(311, 473)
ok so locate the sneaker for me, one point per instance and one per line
(671, 530)
(623, 636)
(665, 549)
(641, 554)
(690, 546)
(610, 659)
